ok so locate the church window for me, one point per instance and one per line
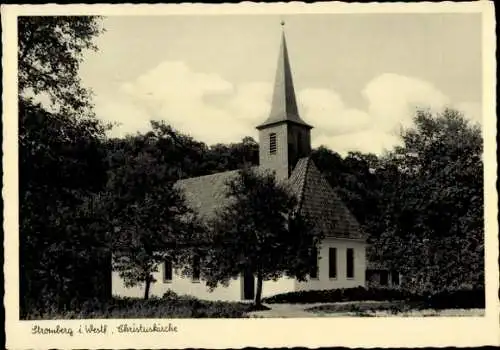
(314, 267)
(350, 263)
(167, 271)
(196, 268)
(272, 143)
(384, 278)
(395, 278)
(332, 263)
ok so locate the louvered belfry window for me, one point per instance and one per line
(272, 143)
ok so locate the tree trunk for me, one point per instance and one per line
(146, 290)
(258, 294)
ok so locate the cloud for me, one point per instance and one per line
(325, 108)
(471, 110)
(392, 100)
(213, 110)
(117, 109)
(206, 106)
(251, 102)
(366, 141)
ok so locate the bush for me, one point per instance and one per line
(457, 299)
(465, 299)
(392, 306)
(170, 306)
(169, 295)
(339, 295)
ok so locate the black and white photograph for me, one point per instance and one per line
(326, 166)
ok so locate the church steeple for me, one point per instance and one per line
(284, 103)
(284, 137)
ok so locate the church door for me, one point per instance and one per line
(248, 285)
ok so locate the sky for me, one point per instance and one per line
(358, 77)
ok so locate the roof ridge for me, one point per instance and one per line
(208, 175)
(301, 193)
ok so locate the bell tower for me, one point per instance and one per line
(283, 137)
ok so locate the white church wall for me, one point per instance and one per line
(181, 285)
(234, 291)
(185, 286)
(282, 285)
(323, 281)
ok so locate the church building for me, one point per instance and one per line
(284, 147)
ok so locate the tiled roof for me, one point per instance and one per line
(206, 194)
(317, 199)
(321, 203)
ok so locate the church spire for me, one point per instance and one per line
(284, 137)
(284, 103)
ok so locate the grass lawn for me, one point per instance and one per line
(386, 308)
(186, 307)
(324, 303)
(359, 309)
(394, 307)
(360, 301)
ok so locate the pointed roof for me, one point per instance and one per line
(317, 199)
(206, 194)
(284, 104)
(321, 203)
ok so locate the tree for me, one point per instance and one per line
(224, 157)
(260, 231)
(50, 51)
(353, 178)
(59, 145)
(433, 227)
(151, 221)
(179, 150)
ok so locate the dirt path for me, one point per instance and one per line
(292, 310)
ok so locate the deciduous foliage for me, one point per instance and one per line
(353, 178)
(195, 158)
(221, 157)
(422, 203)
(259, 231)
(60, 166)
(433, 228)
(50, 52)
(148, 213)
